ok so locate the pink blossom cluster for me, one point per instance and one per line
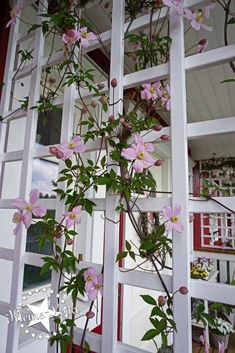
(26, 210)
(153, 91)
(66, 149)
(72, 36)
(196, 18)
(139, 152)
(93, 283)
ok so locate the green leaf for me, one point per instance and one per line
(121, 255)
(149, 335)
(158, 312)
(231, 21)
(128, 246)
(228, 80)
(148, 299)
(68, 163)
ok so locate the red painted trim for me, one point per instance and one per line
(4, 35)
(196, 221)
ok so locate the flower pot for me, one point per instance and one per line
(166, 350)
(215, 339)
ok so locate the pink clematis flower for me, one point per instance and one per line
(221, 347)
(151, 91)
(71, 37)
(18, 218)
(73, 216)
(85, 37)
(76, 146)
(93, 288)
(173, 219)
(29, 208)
(175, 4)
(90, 274)
(139, 153)
(202, 45)
(165, 98)
(13, 14)
(204, 342)
(197, 19)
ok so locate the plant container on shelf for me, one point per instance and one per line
(166, 350)
(215, 339)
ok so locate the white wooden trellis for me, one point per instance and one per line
(180, 132)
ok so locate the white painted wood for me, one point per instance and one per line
(222, 293)
(211, 127)
(4, 307)
(217, 256)
(25, 187)
(6, 254)
(179, 159)
(109, 328)
(144, 279)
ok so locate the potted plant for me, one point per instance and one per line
(220, 332)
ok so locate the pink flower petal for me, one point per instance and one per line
(69, 223)
(34, 196)
(178, 226)
(149, 147)
(39, 211)
(167, 212)
(169, 226)
(19, 203)
(77, 209)
(139, 139)
(148, 159)
(85, 43)
(138, 166)
(79, 148)
(177, 210)
(92, 295)
(27, 219)
(129, 153)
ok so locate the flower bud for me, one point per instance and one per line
(159, 162)
(162, 300)
(69, 241)
(90, 314)
(165, 137)
(84, 110)
(158, 127)
(111, 118)
(183, 290)
(56, 152)
(93, 104)
(100, 85)
(103, 99)
(51, 80)
(114, 83)
(58, 234)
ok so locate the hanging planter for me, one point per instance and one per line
(215, 339)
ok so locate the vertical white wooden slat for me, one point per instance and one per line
(181, 242)
(6, 89)
(109, 328)
(25, 183)
(66, 135)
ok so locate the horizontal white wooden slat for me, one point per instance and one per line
(143, 279)
(126, 348)
(197, 205)
(6, 254)
(217, 292)
(11, 115)
(216, 255)
(26, 71)
(33, 259)
(93, 338)
(210, 127)
(95, 343)
(11, 156)
(84, 264)
(25, 36)
(210, 58)
(198, 61)
(4, 307)
(151, 74)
